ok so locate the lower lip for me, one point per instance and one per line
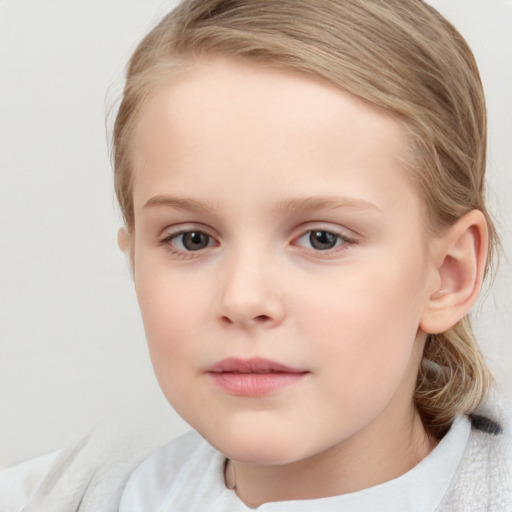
(254, 384)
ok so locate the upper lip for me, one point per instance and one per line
(252, 365)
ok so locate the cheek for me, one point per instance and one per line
(170, 317)
(365, 322)
(168, 322)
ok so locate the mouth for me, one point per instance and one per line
(253, 377)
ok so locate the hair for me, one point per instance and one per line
(400, 56)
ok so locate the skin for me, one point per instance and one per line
(256, 158)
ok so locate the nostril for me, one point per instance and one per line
(226, 320)
(262, 318)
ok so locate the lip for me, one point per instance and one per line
(253, 377)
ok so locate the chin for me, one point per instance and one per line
(258, 447)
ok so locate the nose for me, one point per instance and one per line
(249, 293)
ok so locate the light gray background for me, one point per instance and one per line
(72, 349)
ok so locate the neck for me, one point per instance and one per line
(369, 458)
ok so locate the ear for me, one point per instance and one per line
(460, 253)
(124, 242)
(123, 239)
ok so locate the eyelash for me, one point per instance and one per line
(343, 242)
(185, 254)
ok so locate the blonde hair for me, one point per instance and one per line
(400, 56)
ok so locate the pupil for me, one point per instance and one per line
(195, 240)
(322, 240)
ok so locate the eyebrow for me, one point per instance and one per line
(298, 204)
(310, 204)
(178, 203)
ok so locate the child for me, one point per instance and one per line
(302, 185)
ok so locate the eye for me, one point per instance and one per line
(189, 241)
(321, 240)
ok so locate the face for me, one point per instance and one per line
(280, 262)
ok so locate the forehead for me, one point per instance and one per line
(250, 125)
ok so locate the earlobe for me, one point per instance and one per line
(461, 257)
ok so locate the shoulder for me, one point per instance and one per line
(484, 478)
(88, 476)
(19, 483)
